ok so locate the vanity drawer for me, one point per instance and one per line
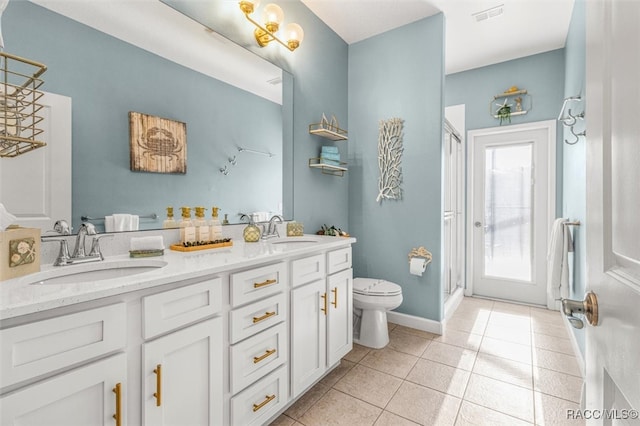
(171, 309)
(339, 260)
(258, 316)
(308, 269)
(257, 356)
(257, 283)
(40, 347)
(256, 404)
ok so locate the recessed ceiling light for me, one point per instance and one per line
(489, 13)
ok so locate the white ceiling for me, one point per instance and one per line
(525, 28)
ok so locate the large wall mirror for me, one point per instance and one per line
(148, 57)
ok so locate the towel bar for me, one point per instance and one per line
(149, 216)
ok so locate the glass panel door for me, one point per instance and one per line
(508, 212)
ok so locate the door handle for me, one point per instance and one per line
(588, 307)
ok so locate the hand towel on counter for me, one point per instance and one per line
(560, 245)
(147, 243)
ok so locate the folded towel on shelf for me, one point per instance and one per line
(329, 161)
(329, 156)
(147, 243)
(108, 224)
(330, 149)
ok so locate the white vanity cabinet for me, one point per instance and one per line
(259, 344)
(233, 343)
(89, 394)
(182, 376)
(321, 315)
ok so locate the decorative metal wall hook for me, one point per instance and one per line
(576, 135)
(224, 170)
(233, 160)
(569, 120)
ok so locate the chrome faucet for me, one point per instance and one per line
(271, 228)
(85, 229)
(79, 252)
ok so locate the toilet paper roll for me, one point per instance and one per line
(417, 265)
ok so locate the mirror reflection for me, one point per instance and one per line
(234, 138)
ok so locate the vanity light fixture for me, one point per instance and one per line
(272, 15)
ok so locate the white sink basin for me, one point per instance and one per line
(96, 271)
(293, 240)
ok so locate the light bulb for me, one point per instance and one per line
(294, 34)
(272, 14)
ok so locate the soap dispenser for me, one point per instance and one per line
(251, 232)
(215, 227)
(203, 233)
(169, 222)
(187, 230)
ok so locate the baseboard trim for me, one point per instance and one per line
(452, 303)
(418, 323)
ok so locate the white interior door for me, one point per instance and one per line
(36, 186)
(613, 206)
(513, 201)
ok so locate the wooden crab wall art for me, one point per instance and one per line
(158, 145)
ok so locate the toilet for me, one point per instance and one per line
(372, 298)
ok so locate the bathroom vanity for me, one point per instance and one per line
(220, 337)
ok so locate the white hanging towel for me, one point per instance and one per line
(125, 222)
(560, 245)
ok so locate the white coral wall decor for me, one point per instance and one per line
(390, 159)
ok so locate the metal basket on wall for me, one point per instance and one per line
(19, 106)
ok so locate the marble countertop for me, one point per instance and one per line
(21, 296)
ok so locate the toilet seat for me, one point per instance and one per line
(375, 287)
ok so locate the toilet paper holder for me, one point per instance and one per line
(421, 252)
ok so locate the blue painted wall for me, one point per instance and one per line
(543, 77)
(399, 73)
(575, 160)
(106, 78)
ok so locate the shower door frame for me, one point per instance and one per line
(550, 127)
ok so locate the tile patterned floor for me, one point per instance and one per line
(497, 364)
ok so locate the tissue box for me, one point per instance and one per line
(19, 252)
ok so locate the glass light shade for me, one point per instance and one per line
(293, 32)
(272, 14)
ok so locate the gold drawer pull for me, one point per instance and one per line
(158, 393)
(263, 283)
(324, 301)
(335, 297)
(268, 399)
(118, 415)
(264, 317)
(257, 359)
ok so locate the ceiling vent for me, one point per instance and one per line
(489, 13)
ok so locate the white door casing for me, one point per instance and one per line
(36, 186)
(613, 205)
(535, 145)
